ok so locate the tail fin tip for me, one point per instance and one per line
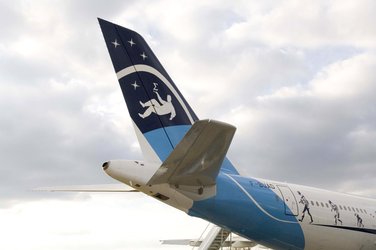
(156, 106)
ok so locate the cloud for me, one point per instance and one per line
(60, 117)
(305, 75)
(311, 132)
(296, 78)
(308, 25)
(98, 222)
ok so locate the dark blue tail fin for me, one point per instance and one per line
(155, 105)
(160, 114)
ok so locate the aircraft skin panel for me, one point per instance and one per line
(260, 210)
(341, 229)
(261, 219)
(161, 144)
(147, 150)
(253, 208)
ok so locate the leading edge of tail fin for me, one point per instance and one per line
(160, 114)
(158, 110)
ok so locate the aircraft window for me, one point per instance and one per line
(357, 210)
(361, 210)
(365, 211)
(353, 209)
(345, 208)
(340, 207)
(326, 204)
(322, 204)
(312, 203)
(349, 208)
(317, 203)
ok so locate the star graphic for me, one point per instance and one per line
(115, 43)
(131, 42)
(135, 85)
(143, 56)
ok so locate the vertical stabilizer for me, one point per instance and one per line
(160, 114)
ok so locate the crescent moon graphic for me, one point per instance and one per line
(145, 68)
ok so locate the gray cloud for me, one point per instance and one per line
(319, 134)
(53, 128)
(299, 88)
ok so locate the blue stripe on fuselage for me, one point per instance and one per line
(233, 209)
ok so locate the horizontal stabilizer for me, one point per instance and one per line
(198, 157)
(89, 188)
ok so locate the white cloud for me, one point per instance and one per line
(309, 24)
(316, 129)
(109, 221)
(296, 77)
(349, 78)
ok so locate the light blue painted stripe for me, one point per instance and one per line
(262, 218)
(159, 141)
(257, 204)
(162, 146)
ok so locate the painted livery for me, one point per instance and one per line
(185, 166)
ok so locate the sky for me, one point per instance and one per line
(297, 79)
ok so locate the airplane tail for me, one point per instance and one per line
(160, 114)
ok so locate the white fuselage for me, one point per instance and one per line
(327, 231)
(339, 221)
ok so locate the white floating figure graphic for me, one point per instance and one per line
(160, 108)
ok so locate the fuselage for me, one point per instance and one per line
(207, 185)
(269, 212)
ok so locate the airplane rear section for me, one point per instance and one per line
(133, 173)
(190, 171)
(186, 155)
(251, 211)
(161, 116)
(185, 164)
(136, 174)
